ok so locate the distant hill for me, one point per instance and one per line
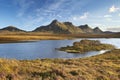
(56, 27)
(67, 28)
(97, 30)
(109, 32)
(11, 29)
(86, 28)
(59, 27)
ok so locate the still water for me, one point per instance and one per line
(46, 49)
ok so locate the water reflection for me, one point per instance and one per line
(46, 49)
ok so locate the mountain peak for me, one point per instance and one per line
(11, 28)
(55, 21)
(68, 23)
(59, 27)
(97, 30)
(86, 28)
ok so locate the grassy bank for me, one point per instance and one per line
(86, 46)
(26, 36)
(18, 37)
(102, 67)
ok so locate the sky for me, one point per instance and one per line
(30, 14)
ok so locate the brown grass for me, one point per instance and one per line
(102, 67)
(86, 46)
(26, 36)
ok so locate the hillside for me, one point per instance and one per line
(56, 27)
(59, 27)
(66, 28)
(86, 28)
(11, 29)
(97, 30)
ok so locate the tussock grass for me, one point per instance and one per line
(102, 67)
(86, 45)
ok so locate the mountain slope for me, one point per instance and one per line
(59, 27)
(97, 30)
(67, 28)
(11, 29)
(86, 28)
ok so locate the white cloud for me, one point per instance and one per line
(23, 6)
(119, 14)
(56, 5)
(107, 16)
(78, 17)
(59, 16)
(30, 21)
(84, 16)
(108, 19)
(75, 18)
(113, 9)
(97, 24)
(114, 29)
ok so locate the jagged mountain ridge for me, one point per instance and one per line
(59, 27)
(86, 28)
(97, 30)
(67, 28)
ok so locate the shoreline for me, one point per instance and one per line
(26, 36)
(104, 66)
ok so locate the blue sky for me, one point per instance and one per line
(29, 14)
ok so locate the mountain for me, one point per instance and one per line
(59, 27)
(67, 28)
(97, 30)
(11, 29)
(86, 28)
(109, 32)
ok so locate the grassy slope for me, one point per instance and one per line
(101, 67)
(19, 36)
(16, 37)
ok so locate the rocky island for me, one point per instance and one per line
(86, 45)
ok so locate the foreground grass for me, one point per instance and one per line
(102, 67)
